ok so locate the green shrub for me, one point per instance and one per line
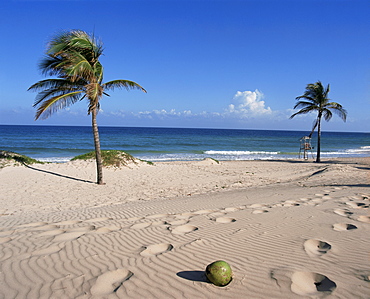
(15, 157)
(114, 158)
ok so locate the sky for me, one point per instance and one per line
(204, 63)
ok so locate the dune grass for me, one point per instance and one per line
(7, 157)
(113, 158)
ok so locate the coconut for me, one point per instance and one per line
(219, 273)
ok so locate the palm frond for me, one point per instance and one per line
(88, 45)
(111, 85)
(48, 107)
(315, 123)
(79, 68)
(303, 111)
(300, 104)
(338, 110)
(50, 65)
(99, 70)
(326, 91)
(52, 92)
(58, 43)
(56, 83)
(307, 97)
(94, 91)
(47, 83)
(327, 114)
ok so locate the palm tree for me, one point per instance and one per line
(73, 57)
(316, 99)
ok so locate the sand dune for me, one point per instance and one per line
(289, 229)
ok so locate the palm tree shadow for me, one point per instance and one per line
(193, 275)
(58, 174)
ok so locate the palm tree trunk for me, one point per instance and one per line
(318, 139)
(99, 164)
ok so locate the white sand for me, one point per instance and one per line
(289, 229)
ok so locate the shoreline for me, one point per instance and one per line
(152, 230)
(325, 156)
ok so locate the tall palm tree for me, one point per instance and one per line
(73, 57)
(316, 99)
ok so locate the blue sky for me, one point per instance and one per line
(204, 63)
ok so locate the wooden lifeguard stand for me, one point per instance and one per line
(305, 147)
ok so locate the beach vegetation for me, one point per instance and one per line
(218, 162)
(7, 156)
(114, 158)
(315, 99)
(73, 58)
(147, 162)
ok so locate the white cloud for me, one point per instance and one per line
(248, 103)
(245, 106)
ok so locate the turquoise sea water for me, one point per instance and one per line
(61, 143)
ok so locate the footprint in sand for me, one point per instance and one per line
(156, 216)
(216, 214)
(51, 233)
(225, 220)
(343, 227)
(109, 282)
(107, 229)
(343, 212)
(134, 218)
(178, 222)
(257, 206)
(321, 194)
(231, 209)
(316, 248)
(186, 215)
(317, 200)
(202, 212)
(290, 203)
(141, 225)
(357, 205)
(68, 236)
(156, 249)
(363, 275)
(364, 218)
(80, 229)
(183, 229)
(259, 211)
(311, 284)
(159, 223)
(360, 197)
(68, 222)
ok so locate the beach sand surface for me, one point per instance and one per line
(288, 229)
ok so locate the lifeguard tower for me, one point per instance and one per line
(305, 147)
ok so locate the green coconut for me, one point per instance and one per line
(219, 273)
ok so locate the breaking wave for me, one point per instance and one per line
(236, 153)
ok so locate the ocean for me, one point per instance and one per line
(61, 143)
